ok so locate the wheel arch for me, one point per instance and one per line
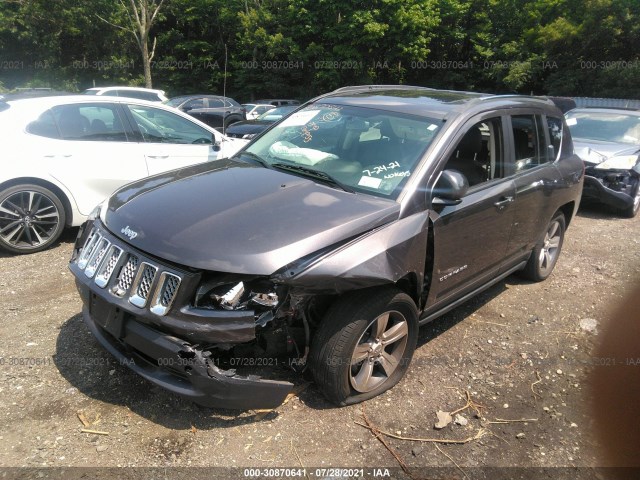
(568, 210)
(66, 203)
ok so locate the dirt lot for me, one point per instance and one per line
(520, 350)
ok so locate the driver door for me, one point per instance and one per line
(171, 141)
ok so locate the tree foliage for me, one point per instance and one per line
(300, 48)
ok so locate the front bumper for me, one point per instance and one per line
(144, 349)
(595, 189)
(164, 348)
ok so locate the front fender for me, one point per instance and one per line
(382, 256)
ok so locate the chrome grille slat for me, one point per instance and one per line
(165, 293)
(106, 270)
(142, 284)
(97, 256)
(127, 274)
(87, 250)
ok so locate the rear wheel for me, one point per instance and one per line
(32, 218)
(364, 344)
(545, 255)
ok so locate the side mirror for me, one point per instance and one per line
(215, 143)
(450, 188)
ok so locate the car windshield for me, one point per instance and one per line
(276, 113)
(604, 126)
(360, 149)
(175, 101)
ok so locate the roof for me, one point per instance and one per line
(423, 100)
(624, 111)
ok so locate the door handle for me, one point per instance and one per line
(158, 156)
(501, 204)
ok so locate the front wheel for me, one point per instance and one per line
(364, 344)
(545, 255)
(31, 218)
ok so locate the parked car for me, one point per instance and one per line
(215, 111)
(63, 155)
(250, 128)
(129, 92)
(255, 110)
(608, 141)
(278, 102)
(327, 241)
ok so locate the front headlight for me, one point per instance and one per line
(95, 213)
(622, 162)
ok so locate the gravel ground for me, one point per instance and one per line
(519, 351)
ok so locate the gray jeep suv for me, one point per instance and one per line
(327, 241)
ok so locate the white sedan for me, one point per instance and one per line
(64, 155)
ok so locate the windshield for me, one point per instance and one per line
(276, 113)
(366, 150)
(604, 126)
(175, 101)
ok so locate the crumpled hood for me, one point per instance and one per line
(232, 216)
(589, 150)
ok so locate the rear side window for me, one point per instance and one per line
(216, 103)
(528, 141)
(85, 122)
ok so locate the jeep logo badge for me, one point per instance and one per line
(129, 233)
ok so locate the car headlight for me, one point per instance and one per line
(622, 162)
(95, 213)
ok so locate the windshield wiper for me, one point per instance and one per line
(255, 158)
(312, 172)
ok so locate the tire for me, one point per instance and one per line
(632, 210)
(545, 254)
(32, 218)
(231, 121)
(348, 361)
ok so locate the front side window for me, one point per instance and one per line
(360, 149)
(479, 155)
(159, 126)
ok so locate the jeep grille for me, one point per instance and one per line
(126, 275)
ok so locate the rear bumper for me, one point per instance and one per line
(181, 368)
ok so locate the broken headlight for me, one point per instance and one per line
(257, 294)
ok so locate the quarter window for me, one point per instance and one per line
(554, 127)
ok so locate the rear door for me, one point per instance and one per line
(532, 154)
(171, 141)
(471, 238)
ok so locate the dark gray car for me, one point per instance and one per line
(608, 141)
(327, 241)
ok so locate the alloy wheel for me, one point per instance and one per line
(379, 351)
(551, 247)
(28, 219)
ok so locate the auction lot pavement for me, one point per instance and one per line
(517, 357)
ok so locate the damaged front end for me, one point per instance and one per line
(200, 335)
(613, 181)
